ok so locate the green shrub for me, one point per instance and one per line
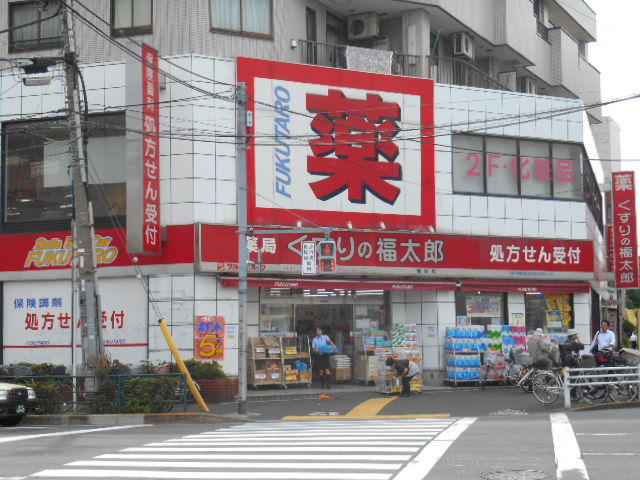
(44, 369)
(202, 370)
(50, 393)
(149, 395)
(628, 327)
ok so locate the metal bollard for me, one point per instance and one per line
(566, 375)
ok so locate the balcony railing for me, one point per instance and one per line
(456, 71)
(453, 71)
(333, 55)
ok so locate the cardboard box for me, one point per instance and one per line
(341, 374)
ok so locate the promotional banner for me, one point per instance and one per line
(333, 146)
(625, 232)
(143, 151)
(387, 253)
(54, 250)
(38, 318)
(209, 337)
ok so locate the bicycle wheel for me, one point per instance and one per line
(525, 379)
(513, 374)
(546, 388)
(592, 394)
(623, 392)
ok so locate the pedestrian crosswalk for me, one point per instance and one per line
(322, 450)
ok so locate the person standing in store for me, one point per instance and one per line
(406, 370)
(322, 346)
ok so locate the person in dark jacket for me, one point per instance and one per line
(405, 370)
(569, 347)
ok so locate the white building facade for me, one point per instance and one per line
(513, 224)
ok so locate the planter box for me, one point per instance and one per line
(218, 391)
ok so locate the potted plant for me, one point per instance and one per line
(214, 384)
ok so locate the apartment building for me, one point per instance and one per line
(504, 212)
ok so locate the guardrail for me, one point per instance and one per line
(597, 376)
(123, 393)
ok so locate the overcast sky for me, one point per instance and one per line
(615, 55)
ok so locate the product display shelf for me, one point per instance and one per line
(405, 346)
(464, 364)
(265, 362)
(297, 366)
(370, 344)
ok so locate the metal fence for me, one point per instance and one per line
(598, 376)
(124, 393)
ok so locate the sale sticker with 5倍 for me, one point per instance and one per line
(210, 336)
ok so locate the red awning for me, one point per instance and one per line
(526, 287)
(342, 284)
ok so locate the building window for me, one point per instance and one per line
(130, 17)
(510, 167)
(36, 169)
(242, 16)
(552, 312)
(35, 36)
(481, 308)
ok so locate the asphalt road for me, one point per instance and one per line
(498, 430)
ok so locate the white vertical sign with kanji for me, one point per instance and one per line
(625, 230)
(309, 264)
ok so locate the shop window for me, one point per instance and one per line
(468, 164)
(553, 312)
(36, 167)
(481, 308)
(130, 17)
(242, 16)
(535, 169)
(502, 166)
(567, 179)
(43, 34)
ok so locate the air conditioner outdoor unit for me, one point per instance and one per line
(526, 85)
(463, 45)
(363, 26)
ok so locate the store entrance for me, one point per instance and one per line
(335, 320)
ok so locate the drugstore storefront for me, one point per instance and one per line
(385, 279)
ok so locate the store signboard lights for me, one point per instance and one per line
(625, 230)
(336, 147)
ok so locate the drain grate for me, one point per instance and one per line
(516, 475)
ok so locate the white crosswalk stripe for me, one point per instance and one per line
(323, 450)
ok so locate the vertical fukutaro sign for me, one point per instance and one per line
(143, 152)
(625, 232)
(334, 146)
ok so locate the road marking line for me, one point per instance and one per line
(17, 438)
(310, 466)
(420, 466)
(370, 407)
(284, 443)
(383, 417)
(569, 463)
(156, 474)
(331, 436)
(186, 456)
(271, 449)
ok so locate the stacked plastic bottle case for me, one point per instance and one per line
(462, 345)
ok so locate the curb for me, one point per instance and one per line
(130, 419)
(606, 406)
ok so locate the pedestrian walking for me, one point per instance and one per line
(405, 370)
(322, 346)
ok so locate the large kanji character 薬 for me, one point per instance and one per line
(352, 135)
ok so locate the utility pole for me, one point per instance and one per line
(243, 254)
(88, 300)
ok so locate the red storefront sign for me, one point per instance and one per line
(366, 157)
(42, 251)
(625, 232)
(387, 253)
(611, 249)
(151, 151)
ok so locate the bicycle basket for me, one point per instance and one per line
(523, 359)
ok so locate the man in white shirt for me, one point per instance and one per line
(605, 339)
